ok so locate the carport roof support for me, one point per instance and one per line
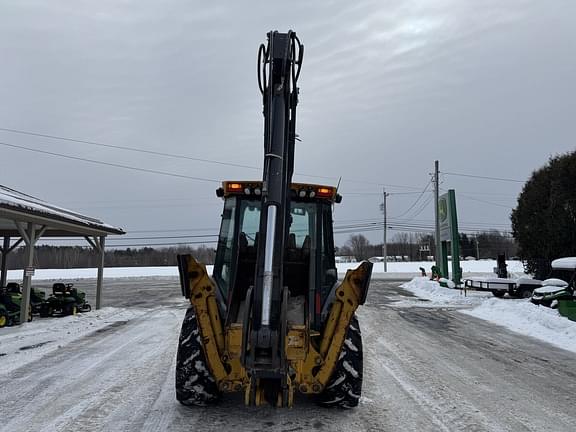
(18, 209)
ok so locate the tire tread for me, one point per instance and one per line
(345, 385)
(195, 385)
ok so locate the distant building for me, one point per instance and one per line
(345, 259)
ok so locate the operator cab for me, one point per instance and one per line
(309, 266)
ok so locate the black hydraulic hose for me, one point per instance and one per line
(262, 58)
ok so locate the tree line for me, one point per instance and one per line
(85, 257)
(414, 246)
(419, 246)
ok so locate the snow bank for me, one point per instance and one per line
(436, 295)
(23, 344)
(523, 317)
(518, 315)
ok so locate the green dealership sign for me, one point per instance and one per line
(448, 221)
(444, 216)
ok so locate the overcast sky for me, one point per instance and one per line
(487, 87)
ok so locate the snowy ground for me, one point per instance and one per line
(518, 315)
(22, 345)
(428, 367)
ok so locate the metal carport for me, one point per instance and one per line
(28, 219)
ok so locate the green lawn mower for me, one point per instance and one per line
(10, 308)
(65, 300)
(560, 285)
(37, 297)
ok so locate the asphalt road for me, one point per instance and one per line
(426, 369)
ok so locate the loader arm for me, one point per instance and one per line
(281, 60)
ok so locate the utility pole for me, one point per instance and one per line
(436, 211)
(477, 248)
(384, 242)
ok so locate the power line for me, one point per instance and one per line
(417, 200)
(484, 201)
(191, 204)
(467, 196)
(161, 237)
(161, 244)
(110, 163)
(480, 225)
(422, 207)
(124, 239)
(484, 177)
(132, 149)
(175, 230)
(172, 155)
(378, 193)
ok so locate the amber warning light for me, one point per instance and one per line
(300, 190)
(324, 192)
(234, 186)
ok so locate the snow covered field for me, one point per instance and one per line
(395, 270)
(518, 315)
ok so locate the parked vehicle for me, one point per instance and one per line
(37, 297)
(10, 308)
(560, 285)
(499, 287)
(7, 316)
(65, 300)
(502, 284)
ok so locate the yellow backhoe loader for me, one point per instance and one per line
(273, 319)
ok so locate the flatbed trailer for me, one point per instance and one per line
(519, 288)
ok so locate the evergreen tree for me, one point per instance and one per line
(544, 221)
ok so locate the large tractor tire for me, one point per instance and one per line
(345, 386)
(195, 385)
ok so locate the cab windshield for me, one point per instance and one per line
(308, 253)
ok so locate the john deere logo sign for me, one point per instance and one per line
(444, 216)
(443, 209)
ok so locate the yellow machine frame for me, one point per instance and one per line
(312, 356)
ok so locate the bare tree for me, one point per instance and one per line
(359, 245)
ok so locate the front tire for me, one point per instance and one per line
(345, 385)
(498, 294)
(4, 320)
(525, 293)
(46, 311)
(195, 385)
(70, 309)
